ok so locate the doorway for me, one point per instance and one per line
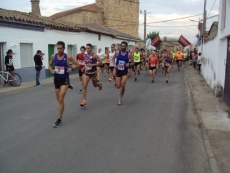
(227, 76)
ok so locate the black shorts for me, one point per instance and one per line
(58, 82)
(137, 63)
(102, 66)
(122, 73)
(107, 64)
(10, 68)
(178, 61)
(81, 72)
(198, 65)
(111, 68)
(152, 68)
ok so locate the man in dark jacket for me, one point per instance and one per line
(38, 66)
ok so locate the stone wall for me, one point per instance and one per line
(83, 17)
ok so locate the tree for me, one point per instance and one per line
(153, 34)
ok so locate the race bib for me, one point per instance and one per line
(87, 68)
(121, 65)
(81, 62)
(136, 58)
(153, 65)
(167, 64)
(59, 70)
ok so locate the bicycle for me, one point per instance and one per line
(14, 79)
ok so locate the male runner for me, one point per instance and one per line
(107, 62)
(101, 55)
(80, 59)
(92, 61)
(153, 64)
(137, 61)
(179, 58)
(61, 76)
(122, 63)
(111, 65)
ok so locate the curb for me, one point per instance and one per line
(31, 84)
(208, 148)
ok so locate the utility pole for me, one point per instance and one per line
(145, 12)
(203, 29)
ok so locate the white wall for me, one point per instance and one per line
(40, 40)
(215, 54)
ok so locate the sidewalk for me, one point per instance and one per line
(7, 88)
(213, 120)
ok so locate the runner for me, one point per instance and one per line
(153, 64)
(130, 65)
(92, 61)
(101, 55)
(168, 65)
(137, 61)
(179, 58)
(61, 76)
(199, 63)
(195, 57)
(80, 59)
(185, 54)
(122, 63)
(111, 65)
(106, 62)
(146, 60)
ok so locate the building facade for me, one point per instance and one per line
(216, 54)
(121, 15)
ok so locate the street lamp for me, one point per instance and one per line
(144, 12)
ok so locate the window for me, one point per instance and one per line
(26, 54)
(223, 14)
(94, 49)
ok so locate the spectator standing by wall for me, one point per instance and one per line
(38, 57)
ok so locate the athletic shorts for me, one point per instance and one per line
(10, 68)
(81, 72)
(152, 68)
(107, 64)
(91, 75)
(111, 68)
(178, 61)
(58, 82)
(121, 73)
(167, 66)
(103, 65)
(198, 65)
(137, 63)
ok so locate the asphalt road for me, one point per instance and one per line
(154, 131)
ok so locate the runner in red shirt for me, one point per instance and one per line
(80, 59)
(153, 64)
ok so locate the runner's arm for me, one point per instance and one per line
(98, 60)
(113, 60)
(131, 58)
(74, 62)
(51, 65)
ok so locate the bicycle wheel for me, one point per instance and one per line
(15, 79)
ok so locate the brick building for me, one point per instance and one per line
(121, 15)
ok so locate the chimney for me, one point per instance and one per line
(35, 7)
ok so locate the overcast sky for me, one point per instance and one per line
(159, 11)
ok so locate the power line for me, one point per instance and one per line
(212, 7)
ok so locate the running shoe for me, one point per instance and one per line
(119, 102)
(135, 79)
(167, 81)
(80, 92)
(110, 79)
(57, 123)
(100, 87)
(152, 81)
(70, 86)
(83, 103)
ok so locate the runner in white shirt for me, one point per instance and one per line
(111, 65)
(101, 56)
(199, 62)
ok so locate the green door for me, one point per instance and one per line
(50, 53)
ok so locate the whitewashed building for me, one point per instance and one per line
(25, 33)
(216, 53)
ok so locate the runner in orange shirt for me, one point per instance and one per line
(153, 64)
(179, 59)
